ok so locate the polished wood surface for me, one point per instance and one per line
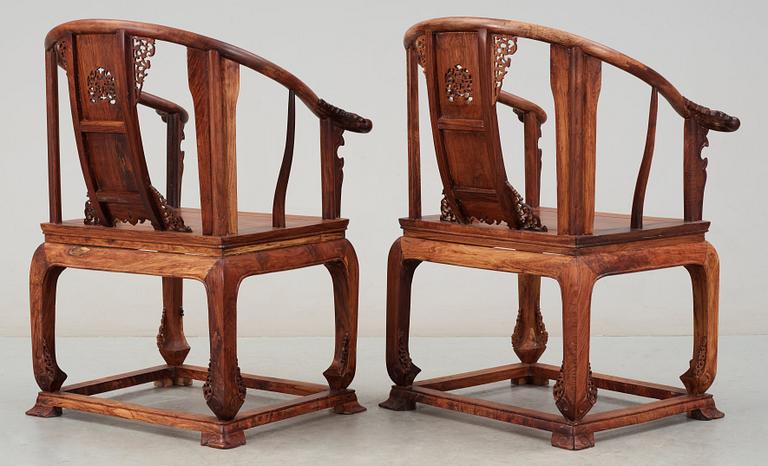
(485, 223)
(130, 227)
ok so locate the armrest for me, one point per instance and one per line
(522, 106)
(163, 106)
(344, 119)
(712, 119)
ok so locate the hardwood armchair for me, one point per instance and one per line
(486, 223)
(106, 64)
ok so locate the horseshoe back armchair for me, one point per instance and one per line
(486, 223)
(129, 226)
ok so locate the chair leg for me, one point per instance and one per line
(401, 369)
(42, 301)
(705, 280)
(529, 339)
(345, 277)
(575, 393)
(224, 389)
(171, 341)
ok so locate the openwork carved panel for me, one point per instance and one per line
(446, 213)
(143, 49)
(503, 48)
(458, 84)
(61, 52)
(101, 86)
(421, 52)
(171, 219)
(527, 219)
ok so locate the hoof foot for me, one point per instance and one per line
(352, 407)
(573, 441)
(44, 411)
(398, 403)
(223, 440)
(531, 380)
(706, 414)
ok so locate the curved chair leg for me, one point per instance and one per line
(42, 303)
(224, 389)
(345, 277)
(401, 369)
(705, 280)
(529, 339)
(171, 341)
(574, 391)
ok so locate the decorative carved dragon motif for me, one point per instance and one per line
(458, 85)
(503, 48)
(207, 389)
(344, 350)
(406, 366)
(565, 405)
(712, 119)
(161, 331)
(346, 120)
(48, 375)
(101, 86)
(541, 334)
(143, 49)
(208, 385)
(697, 379)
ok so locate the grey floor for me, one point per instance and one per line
(380, 437)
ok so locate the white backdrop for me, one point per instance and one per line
(351, 54)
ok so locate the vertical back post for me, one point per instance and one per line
(694, 170)
(214, 82)
(575, 79)
(414, 156)
(52, 117)
(331, 167)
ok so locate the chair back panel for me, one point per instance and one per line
(105, 74)
(461, 84)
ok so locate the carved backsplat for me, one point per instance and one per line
(466, 134)
(101, 86)
(503, 48)
(143, 49)
(458, 84)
